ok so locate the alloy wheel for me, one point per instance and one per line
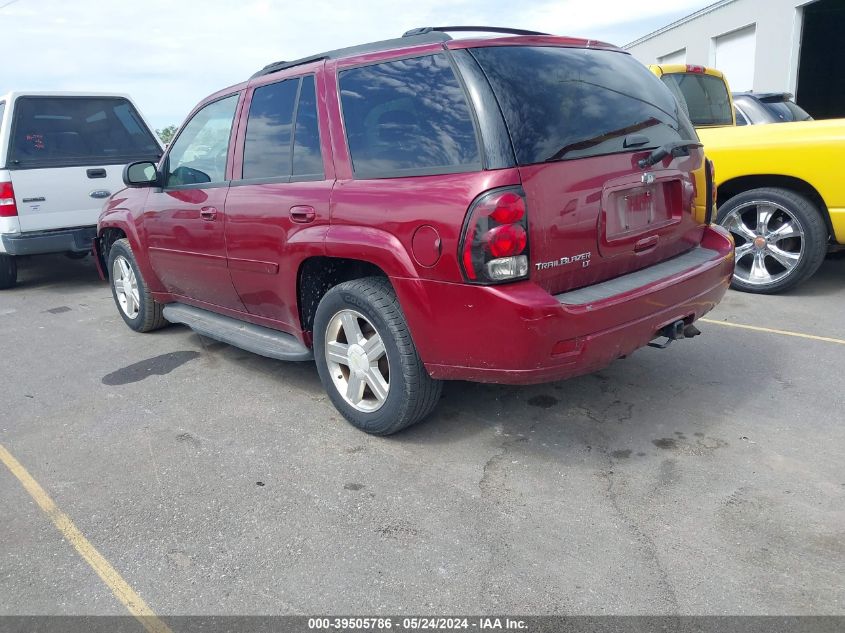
(126, 287)
(357, 361)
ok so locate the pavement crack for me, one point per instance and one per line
(647, 545)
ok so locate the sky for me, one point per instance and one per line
(169, 55)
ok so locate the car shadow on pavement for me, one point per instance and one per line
(828, 280)
(41, 271)
(655, 399)
(301, 375)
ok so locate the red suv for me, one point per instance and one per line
(513, 210)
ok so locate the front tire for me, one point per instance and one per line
(366, 359)
(8, 271)
(134, 302)
(781, 239)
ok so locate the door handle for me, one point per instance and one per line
(208, 213)
(302, 214)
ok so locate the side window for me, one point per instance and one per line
(2, 111)
(409, 115)
(740, 117)
(307, 160)
(199, 153)
(268, 130)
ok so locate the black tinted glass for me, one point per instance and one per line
(786, 111)
(79, 131)
(307, 160)
(706, 97)
(562, 103)
(268, 130)
(409, 114)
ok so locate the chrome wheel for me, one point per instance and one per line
(126, 287)
(357, 361)
(769, 242)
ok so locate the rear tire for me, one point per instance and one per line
(366, 359)
(781, 239)
(134, 302)
(8, 271)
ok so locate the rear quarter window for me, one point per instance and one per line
(566, 103)
(68, 131)
(408, 117)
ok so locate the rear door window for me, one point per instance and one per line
(267, 150)
(567, 103)
(706, 97)
(307, 160)
(282, 133)
(67, 131)
(408, 117)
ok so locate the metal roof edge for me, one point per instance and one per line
(677, 23)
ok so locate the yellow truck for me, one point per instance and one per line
(780, 187)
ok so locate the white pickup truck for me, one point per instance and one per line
(61, 155)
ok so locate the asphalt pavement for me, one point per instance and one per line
(707, 478)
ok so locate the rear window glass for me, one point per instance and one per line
(564, 103)
(786, 111)
(408, 116)
(706, 97)
(2, 111)
(66, 131)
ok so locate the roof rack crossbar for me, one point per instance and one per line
(481, 29)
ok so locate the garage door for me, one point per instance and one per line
(733, 54)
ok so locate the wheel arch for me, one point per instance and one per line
(116, 226)
(735, 186)
(319, 274)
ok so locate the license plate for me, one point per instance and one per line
(638, 210)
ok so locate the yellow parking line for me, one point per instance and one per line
(119, 587)
(824, 339)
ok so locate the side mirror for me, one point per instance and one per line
(140, 174)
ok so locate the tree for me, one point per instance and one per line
(166, 134)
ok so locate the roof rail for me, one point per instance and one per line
(428, 37)
(481, 29)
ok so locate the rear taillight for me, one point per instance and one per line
(695, 69)
(8, 209)
(494, 245)
(710, 190)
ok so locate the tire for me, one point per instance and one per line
(790, 233)
(408, 393)
(8, 271)
(139, 310)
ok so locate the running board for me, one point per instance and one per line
(247, 336)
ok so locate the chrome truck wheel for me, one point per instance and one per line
(780, 239)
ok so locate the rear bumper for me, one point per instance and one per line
(520, 334)
(76, 240)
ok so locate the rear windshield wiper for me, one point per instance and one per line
(602, 137)
(674, 148)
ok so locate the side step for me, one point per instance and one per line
(252, 338)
